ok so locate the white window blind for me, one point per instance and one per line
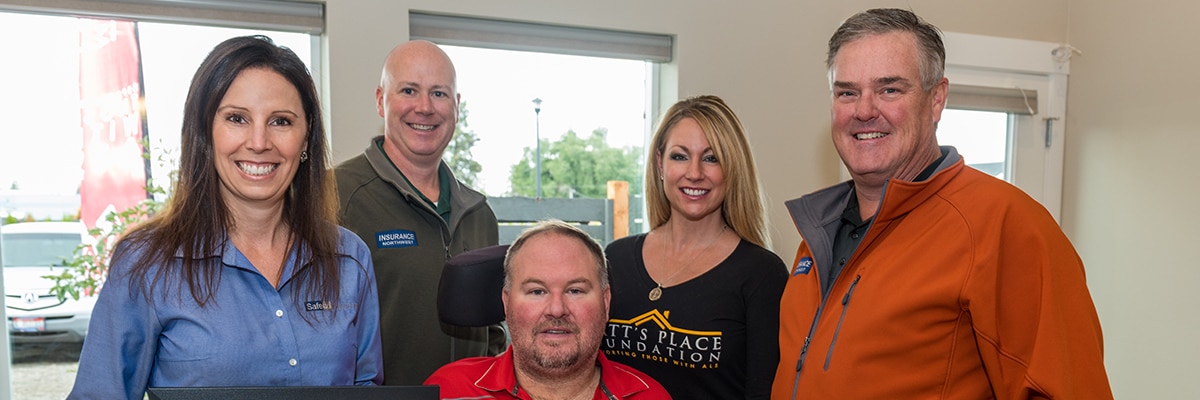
(528, 36)
(288, 16)
(983, 98)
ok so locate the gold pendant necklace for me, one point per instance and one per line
(656, 292)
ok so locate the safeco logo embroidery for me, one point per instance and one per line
(803, 266)
(395, 239)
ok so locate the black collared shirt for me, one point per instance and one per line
(853, 228)
(849, 234)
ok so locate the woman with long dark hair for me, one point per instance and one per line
(244, 279)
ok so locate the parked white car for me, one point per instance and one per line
(31, 250)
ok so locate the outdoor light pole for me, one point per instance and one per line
(537, 112)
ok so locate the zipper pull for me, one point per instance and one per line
(803, 352)
(846, 297)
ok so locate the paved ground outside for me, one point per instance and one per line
(44, 371)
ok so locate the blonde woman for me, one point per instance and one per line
(695, 302)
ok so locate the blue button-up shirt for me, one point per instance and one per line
(251, 335)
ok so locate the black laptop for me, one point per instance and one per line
(297, 392)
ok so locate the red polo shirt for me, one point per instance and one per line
(495, 378)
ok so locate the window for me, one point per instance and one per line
(578, 94)
(41, 148)
(980, 121)
(1006, 105)
(38, 248)
(980, 136)
(566, 93)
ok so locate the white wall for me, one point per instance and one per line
(1131, 187)
(1129, 126)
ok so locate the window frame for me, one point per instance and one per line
(269, 15)
(1036, 149)
(274, 15)
(530, 36)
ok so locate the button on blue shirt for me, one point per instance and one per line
(252, 334)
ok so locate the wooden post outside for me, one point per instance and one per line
(618, 192)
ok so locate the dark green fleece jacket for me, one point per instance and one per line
(410, 244)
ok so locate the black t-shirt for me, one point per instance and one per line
(713, 337)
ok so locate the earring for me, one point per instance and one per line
(661, 177)
(304, 156)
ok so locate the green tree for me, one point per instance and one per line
(577, 167)
(458, 152)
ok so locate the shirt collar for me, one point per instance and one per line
(501, 375)
(442, 206)
(232, 257)
(620, 379)
(933, 167)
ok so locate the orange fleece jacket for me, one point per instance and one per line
(964, 287)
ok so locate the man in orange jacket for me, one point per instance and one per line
(922, 278)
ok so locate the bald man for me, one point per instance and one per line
(409, 208)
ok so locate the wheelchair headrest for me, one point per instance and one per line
(469, 291)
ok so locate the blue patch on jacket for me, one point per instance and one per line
(803, 266)
(395, 239)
